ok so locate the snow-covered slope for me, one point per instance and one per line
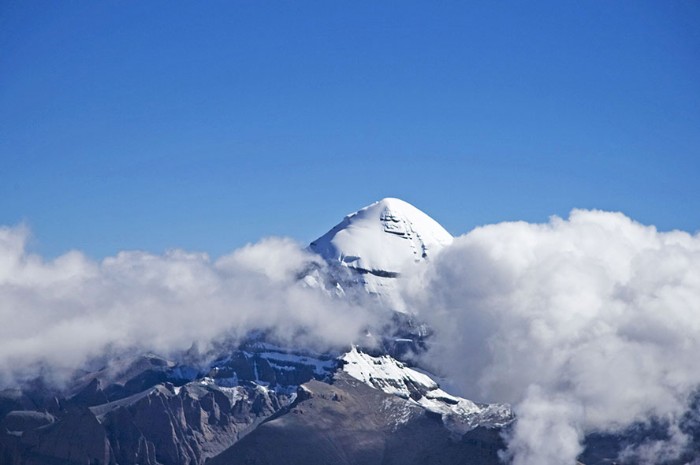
(393, 377)
(374, 245)
(383, 238)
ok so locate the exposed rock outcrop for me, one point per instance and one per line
(348, 422)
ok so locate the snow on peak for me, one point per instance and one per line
(382, 238)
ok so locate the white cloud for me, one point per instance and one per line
(583, 324)
(58, 314)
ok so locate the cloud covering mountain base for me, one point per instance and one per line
(59, 314)
(584, 324)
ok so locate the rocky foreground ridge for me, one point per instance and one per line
(251, 406)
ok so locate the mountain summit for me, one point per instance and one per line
(370, 248)
(382, 238)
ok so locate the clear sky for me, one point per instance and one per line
(206, 125)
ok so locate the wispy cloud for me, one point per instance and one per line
(58, 314)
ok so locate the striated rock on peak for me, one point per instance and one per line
(383, 238)
(375, 245)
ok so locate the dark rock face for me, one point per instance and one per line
(163, 425)
(183, 426)
(246, 408)
(611, 448)
(257, 404)
(25, 420)
(260, 363)
(125, 377)
(77, 438)
(15, 399)
(348, 422)
(343, 422)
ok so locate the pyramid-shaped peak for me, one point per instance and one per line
(382, 238)
(391, 208)
(393, 202)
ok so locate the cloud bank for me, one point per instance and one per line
(590, 323)
(584, 324)
(58, 314)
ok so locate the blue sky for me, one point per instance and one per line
(206, 125)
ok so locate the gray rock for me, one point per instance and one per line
(23, 420)
(350, 423)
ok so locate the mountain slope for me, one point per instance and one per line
(373, 246)
(393, 377)
(382, 238)
(348, 422)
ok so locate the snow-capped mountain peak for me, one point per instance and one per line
(382, 238)
(371, 247)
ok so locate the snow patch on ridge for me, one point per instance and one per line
(393, 377)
